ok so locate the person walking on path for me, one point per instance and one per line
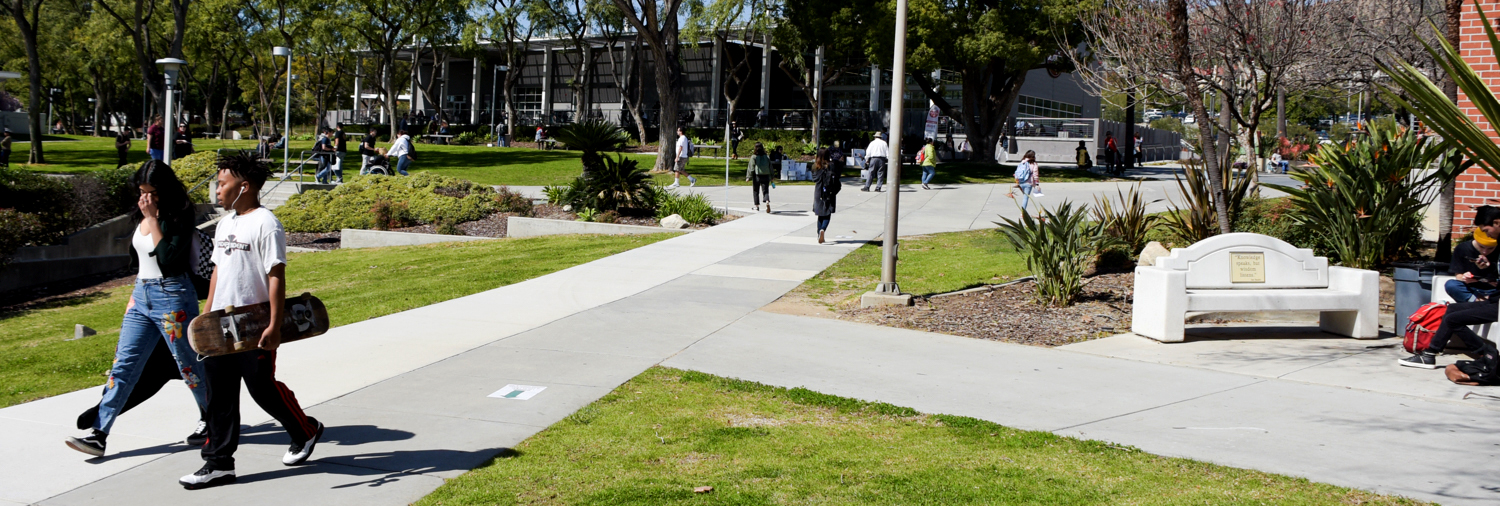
(323, 152)
(1112, 155)
(876, 155)
(122, 145)
(401, 151)
(758, 171)
(5, 143)
(154, 137)
(160, 307)
(684, 151)
(1138, 160)
(927, 157)
(249, 268)
(825, 190)
(340, 147)
(367, 152)
(1028, 178)
(735, 136)
(1474, 262)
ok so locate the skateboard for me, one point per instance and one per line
(236, 329)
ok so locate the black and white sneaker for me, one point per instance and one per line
(206, 477)
(92, 445)
(299, 452)
(199, 436)
(1421, 360)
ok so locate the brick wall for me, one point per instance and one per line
(1475, 187)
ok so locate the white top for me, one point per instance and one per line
(878, 148)
(246, 247)
(401, 146)
(683, 145)
(143, 246)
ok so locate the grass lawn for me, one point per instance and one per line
(514, 166)
(929, 264)
(658, 436)
(36, 361)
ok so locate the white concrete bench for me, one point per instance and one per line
(1247, 273)
(1488, 331)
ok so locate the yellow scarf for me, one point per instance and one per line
(1482, 239)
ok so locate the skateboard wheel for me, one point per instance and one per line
(228, 309)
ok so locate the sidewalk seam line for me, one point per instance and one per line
(1142, 410)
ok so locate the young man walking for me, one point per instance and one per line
(684, 151)
(249, 268)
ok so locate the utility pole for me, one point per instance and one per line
(888, 293)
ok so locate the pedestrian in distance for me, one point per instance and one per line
(340, 147)
(161, 305)
(1028, 178)
(826, 188)
(5, 144)
(367, 151)
(155, 135)
(927, 158)
(758, 172)
(876, 156)
(182, 143)
(684, 152)
(122, 145)
(1474, 262)
(1085, 162)
(1112, 159)
(401, 149)
(1139, 159)
(249, 268)
(735, 136)
(323, 152)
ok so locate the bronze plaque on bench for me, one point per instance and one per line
(1247, 267)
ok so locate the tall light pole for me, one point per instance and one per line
(494, 83)
(888, 293)
(286, 131)
(170, 67)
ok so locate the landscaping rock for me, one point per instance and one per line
(81, 331)
(568, 208)
(1149, 253)
(703, 490)
(674, 221)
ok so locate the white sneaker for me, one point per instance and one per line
(206, 477)
(692, 181)
(298, 453)
(674, 185)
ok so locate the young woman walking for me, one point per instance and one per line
(163, 303)
(825, 190)
(1027, 178)
(759, 174)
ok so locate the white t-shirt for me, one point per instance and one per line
(144, 245)
(246, 247)
(878, 148)
(684, 146)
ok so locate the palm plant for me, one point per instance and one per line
(1197, 219)
(1364, 198)
(1129, 222)
(1058, 249)
(592, 137)
(619, 184)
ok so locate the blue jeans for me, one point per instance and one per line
(927, 172)
(1026, 190)
(328, 171)
(1464, 292)
(159, 313)
(401, 164)
(156, 154)
(823, 222)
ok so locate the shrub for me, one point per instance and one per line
(17, 229)
(1129, 222)
(620, 184)
(508, 201)
(1058, 249)
(446, 228)
(195, 169)
(608, 217)
(592, 137)
(1273, 217)
(694, 208)
(350, 204)
(556, 195)
(588, 214)
(1363, 199)
(468, 138)
(387, 215)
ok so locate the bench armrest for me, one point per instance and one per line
(1159, 303)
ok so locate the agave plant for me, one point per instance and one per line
(618, 184)
(1058, 249)
(1129, 222)
(1196, 219)
(592, 137)
(1364, 199)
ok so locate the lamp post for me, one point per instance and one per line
(286, 131)
(51, 99)
(494, 83)
(888, 292)
(170, 67)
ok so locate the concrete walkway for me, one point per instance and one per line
(405, 396)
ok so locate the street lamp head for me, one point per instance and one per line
(171, 64)
(281, 51)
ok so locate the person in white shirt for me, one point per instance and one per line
(684, 151)
(249, 268)
(876, 156)
(401, 151)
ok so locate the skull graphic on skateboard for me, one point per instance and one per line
(238, 328)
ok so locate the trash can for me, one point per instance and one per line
(1413, 288)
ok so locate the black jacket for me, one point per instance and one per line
(173, 253)
(826, 191)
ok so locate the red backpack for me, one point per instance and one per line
(1422, 325)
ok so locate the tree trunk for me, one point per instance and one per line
(1453, 13)
(1177, 20)
(33, 72)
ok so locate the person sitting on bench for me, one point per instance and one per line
(1461, 315)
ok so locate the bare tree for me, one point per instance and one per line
(26, 14)
(659, 28)
(510, 23)
(624, 64)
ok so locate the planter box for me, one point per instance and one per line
(351, 238)
(534, 227)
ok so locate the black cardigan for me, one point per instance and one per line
(175, 247)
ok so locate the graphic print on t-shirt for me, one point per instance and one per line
(229, 244)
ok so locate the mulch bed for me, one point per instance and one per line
(1011, 314)
(314, 240)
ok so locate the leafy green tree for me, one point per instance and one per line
(659, 27)
(27, 15)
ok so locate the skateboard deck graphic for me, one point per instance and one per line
(238, 328)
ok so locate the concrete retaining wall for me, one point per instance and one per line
(352, 238)
(535, 227)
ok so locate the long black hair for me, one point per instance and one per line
(172, 202)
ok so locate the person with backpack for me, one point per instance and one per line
(927, 158)
(1112, 159)
(759, 173)
(1085, 162)
(323, 152)
(1460, 315)
(685, 151)
(1028, 178)
(1473, 265)
(826, 188)
(161, 305)
(401, 151)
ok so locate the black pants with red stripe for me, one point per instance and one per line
(258, 370)
(1457, 320)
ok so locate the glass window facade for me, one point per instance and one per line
(1032, 107)
(528, 99)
